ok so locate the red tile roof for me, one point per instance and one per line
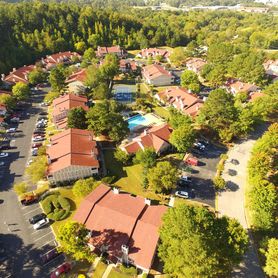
(127, 64)
(239, 86)
(121, 219)
(19, 75)
(61, 57)
(155, 137)
(195, 64)
(153, 52)
(103, 50)
(72, 147)
(63, 104)
(153, 71)
(181, 99)
(255, 95)
(77, 76)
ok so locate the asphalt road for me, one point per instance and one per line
(203, 174)
(22, 243)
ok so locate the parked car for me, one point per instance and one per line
(11, 130)
(43, 222)
(15, 120)
(37, 218)
(35, 152)
(5, 145)
(47, 257)
(199, 146)
(43, 113)
(182, 194)
(38, 133)
(186, 179)
(29, 199)
(44, 104)
(63, 268)
(40, 125)
(38, 139)
(2, 155)
(36, 145)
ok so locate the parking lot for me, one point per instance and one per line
(23, 244)
(203, 174)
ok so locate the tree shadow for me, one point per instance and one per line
(231, 186)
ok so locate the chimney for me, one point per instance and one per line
(172, 201)
(14, 69)
(116, 190)
(125, 251)
(147, 201)
(2, 76)
(145, 131)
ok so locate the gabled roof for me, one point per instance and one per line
(195, 64)
(60, 57)
(153, 52)
(239, 86)
(155, 137)
(181, 99)
(19, 75)
(77, 76)
(72, 147)
(102, 50)
(125, 63)
(153, 71)
(255, 95)
(121, 219)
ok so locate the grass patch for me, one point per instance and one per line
(100, 269)
(115, 273)
(144, 89)
(162, 112)
(129, 178)
(80, 268)
(74, 203)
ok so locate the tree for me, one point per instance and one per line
(103, 118)
(219, 183)
(163, 177)
(220, 53)
(101, 92)
(178, 56)
(20, 188)
(57, 78)
(73, 239)
(77, 118)
(190, 80)
(177, 119)
(218, 112)
(80, 46)
(214, 74)
(8, 101)
(50, 96)
(271, 266)
(93, 76)
(83, 187)
(37, 169)
(146, 157)
(21, 91)
(109, 67)
(37, 76)
(88, 56)
(122, 156)
(183, 137)
(195, 243)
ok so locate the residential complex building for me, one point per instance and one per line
(154, 53)
(18, 75)
(157, 75)
(72, 155)
(195, 64)
(116, 50)
(238, 86)
(156, 137)
(76, 82)
(63, 104)
(123, 226)
(181, 99)
(62, 57)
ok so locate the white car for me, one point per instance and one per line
(41, 223)
(15, 120)
(29, 162)
(38, 139)
(3, 155)
(182, 194)
(11, 130)
(186, 179)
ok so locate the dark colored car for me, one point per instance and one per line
(63, 268)
(182, 183)
(37, 218)
(47, 257)
(43, 113)
(5, 145)
(29, 199)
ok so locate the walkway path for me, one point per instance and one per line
(231, 202)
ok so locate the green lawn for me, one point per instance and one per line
(74, 202)
(162, 112)
(100, 269)
(129, 178)
(116, 274)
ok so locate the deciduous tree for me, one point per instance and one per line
(21, 91)
(83, 187)
(190, 80)
(77, 118)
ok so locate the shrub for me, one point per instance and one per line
(219, 183)
(108, 179)
(20, 188)
(56, 207)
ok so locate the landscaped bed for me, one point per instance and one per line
(100, 269)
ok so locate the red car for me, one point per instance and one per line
(63, 268)
(36, 145)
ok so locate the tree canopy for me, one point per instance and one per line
(195, 243)
(83, 187)
(21, 91)
(77, 118)
(190, 80)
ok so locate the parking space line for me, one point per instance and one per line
(53, 260)
(31, 210)
(49, 242)
(43, 236)
(39, 230)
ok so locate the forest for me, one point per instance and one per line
(32, 30)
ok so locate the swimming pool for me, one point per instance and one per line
(140, 121)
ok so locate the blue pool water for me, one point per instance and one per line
(136, 121)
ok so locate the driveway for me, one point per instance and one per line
(22, 243)
(231, 202)
(203, 174)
